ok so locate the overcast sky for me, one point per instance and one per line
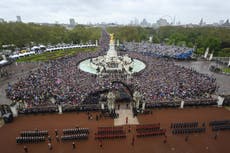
(119, 11)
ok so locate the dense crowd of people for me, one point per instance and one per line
(104, 41)
(62, 82)
(58, 82)
(159, 50)
(3, 72)
(162, 80)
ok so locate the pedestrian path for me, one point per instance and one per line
(121, 120)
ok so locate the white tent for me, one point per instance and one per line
(35, 48)
(4, 61)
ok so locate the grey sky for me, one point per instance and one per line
(120, 11)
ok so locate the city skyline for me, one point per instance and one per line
(120, 11)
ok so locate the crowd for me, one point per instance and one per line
(55, 82)
(162, 80)
(159, 50)
(62, 82)
(3, 72)
(104, 41)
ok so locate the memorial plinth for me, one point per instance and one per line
(111, 62)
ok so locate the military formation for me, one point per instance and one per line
(76, 131)
(220, 125)
(36, 136)
(32, 136)
(146, 130)
(113, 132)
(34, 139)
(34, 133)
(187, 128)
(82, 136)
(184, 125)
(75, 134)
(147, 127)
(110, 132)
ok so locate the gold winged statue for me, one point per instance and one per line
(111, 38)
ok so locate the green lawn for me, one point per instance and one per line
(226, 70)
(227, 107)
(54, 55)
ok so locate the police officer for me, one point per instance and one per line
(56, 132)
(101, 143)
(74, 146)
(215, 137)
(186, 138)
(25, 149)
(129, 129)
(57, 138)
(49, 138)
(50, 146)
(203, 124)
(165, 140)
(133, 140)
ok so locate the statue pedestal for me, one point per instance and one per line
(59, 109)
(182, 104)
(220, 101)
(111, 52)
(14, 110)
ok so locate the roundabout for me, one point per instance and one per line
(111, 62)
(86, 66)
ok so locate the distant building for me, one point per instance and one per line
(136, 21)
(226, 23)
(19, 19)
(72, 22)
(162, 22)
(131, 22)
(221, 22)
(144, 23)
(1, 20)
(201, 22)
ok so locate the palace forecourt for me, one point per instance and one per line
(110, 101)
